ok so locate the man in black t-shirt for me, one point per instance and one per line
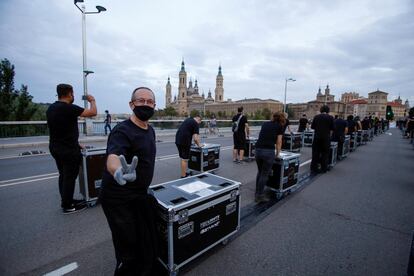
(129, 209)
(240, 132)
(62, 121)
(303, 123)
(189, 130)
(323, 124)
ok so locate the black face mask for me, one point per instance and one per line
(143, 112)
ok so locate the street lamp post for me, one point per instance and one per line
(86, 72)
(286, 81)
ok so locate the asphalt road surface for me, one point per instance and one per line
(355, 220)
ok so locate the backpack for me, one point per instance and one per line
(235, 125)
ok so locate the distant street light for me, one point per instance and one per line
(286, 81)
(86, 72)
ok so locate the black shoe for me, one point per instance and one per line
(261, 199)
(73, 209)
(79, 202)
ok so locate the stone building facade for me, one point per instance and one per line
(190, 99)
(377, 103)
(312, 108)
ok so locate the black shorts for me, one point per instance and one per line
(184, 151)
(239, 140)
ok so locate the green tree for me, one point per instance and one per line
(7, 92)
(290, 112)
(170, 111)
(25, 108)
(389, 114)
(266, 113)
(194, 113)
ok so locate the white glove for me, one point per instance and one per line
(126, 173)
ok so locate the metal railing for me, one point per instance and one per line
(10, 129)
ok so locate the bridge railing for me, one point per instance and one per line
(9, 129)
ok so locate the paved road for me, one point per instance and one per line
(338, 223)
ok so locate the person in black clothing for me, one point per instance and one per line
(340, 130)
(62, 121)
(270, 139)
(287, 124)
(128, 206)
(108, 120)
(303, 123)
(366, 123)
(351, 124)
(189, 130)
(240, 132)
(323, 124)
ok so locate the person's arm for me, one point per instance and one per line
(290, 131)
(113, 163)
(346, 130)
(196, 139)
(278, 144)
(92, 110)
(246, 129)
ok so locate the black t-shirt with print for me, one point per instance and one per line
(130, 140)
(242, 123)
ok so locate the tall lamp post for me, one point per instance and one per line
(86, 72)
(286, 81)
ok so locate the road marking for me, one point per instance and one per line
(28, 177)
(63, 270)
(306, 162)
(23, 156)
(27, 181)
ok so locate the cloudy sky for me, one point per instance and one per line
(354, 45)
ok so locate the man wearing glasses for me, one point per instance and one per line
(129, 209)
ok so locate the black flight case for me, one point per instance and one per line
(195, 214)
(250, 148)
(359, 138)
(333, 151)
(345, 147)
(206, 158)
(353, 141)
(308, 137)
(365, 137)
(292, 141)
(285, 173)
(90, 174)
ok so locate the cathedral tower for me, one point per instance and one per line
(219, 91)
(168, 93)
(182, 86)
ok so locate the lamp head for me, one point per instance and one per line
(99, 8)
(87, 72)
(77, 1)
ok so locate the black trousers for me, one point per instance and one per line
(134, 235)
(67, 163)
(320, 154)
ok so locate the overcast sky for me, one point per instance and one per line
(356, 46)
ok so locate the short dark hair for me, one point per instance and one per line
(106, 111)
(303, 115)
(325, 109)
(63, 89)
(240, 109)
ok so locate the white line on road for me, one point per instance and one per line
(27, 181)
(23, 156)
(306, 162)
(63, 270)
(28, 177)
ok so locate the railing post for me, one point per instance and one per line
(88, 126)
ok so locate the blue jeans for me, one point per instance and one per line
(264, 160)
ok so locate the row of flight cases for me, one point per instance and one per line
(198, 212)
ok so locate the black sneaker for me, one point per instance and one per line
(73, 209)
(79, 202)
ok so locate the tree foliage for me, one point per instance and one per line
(15, 105)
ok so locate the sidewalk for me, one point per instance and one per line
(357, 219)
